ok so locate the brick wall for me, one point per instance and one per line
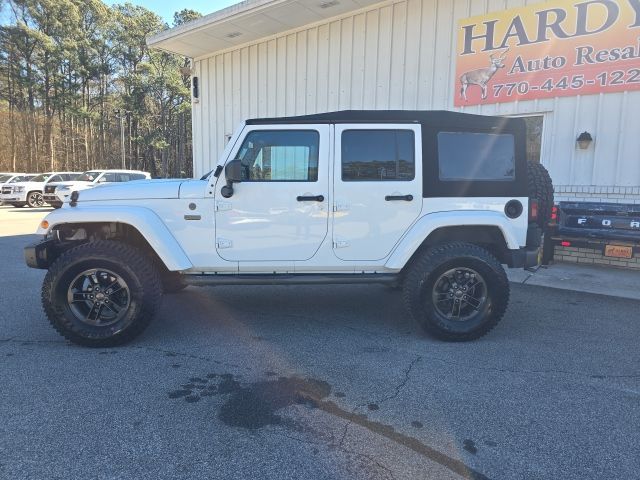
(591, 256)
(591, 193)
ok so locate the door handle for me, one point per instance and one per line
(406, 198)
(310, 198)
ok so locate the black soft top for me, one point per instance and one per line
(424, 117)
(431, 123)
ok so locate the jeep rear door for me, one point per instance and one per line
(279, 211)
(377, 187)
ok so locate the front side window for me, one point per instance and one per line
(378, 155)
(109, 177)
(41, 178)
(280, 156)
(472, 156)
(87, 176)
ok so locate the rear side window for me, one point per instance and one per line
(137, 176)
(476, 156)
(378, 155)
(280, 156)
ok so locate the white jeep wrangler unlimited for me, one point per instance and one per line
(433, 202)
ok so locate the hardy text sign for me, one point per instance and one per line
(553, 49)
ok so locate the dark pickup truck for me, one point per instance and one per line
(612, 228)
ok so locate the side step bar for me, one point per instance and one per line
(290, 279)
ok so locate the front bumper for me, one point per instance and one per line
(38, 255)
(14, 197)
(53, 200)
(527, 257)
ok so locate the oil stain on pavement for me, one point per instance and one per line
(255, 405)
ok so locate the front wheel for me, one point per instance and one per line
(35, 200)
(456, 291)
(101, 294)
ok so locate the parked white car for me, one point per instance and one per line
(56, 193)
(433, 202)
(6, 177)
(29, 192)
(7, 184)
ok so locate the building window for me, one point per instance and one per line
(466, 156)
(378, 155)
(280, 156)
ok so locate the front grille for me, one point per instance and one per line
(50, 188)
(7, 190)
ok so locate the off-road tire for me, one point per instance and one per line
(426, 269)
(35, 200)
(172, 282)
(128, 262)
(541, 188)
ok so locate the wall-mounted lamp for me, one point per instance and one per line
(195, 89)
(584, 140)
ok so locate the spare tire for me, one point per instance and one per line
(541, 188)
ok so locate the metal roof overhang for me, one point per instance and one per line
(246, 22)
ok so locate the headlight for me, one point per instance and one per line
(18, 189)
(62, 188)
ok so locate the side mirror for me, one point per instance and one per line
(233, 171)
(233, 174)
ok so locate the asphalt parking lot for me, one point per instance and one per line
(319, 383)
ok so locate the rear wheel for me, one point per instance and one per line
(18, 204)
(101, 293)
(35, 200)
(456, 291)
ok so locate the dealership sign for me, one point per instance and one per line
(553, 49)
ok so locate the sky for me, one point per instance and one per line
(166, 9)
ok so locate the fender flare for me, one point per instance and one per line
(144, 220)
(429, 223)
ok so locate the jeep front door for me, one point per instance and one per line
(278, 212)
(377, 188)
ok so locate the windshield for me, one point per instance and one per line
(4, 178)
(22, 178)
(87, 176)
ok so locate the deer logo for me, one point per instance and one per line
(481, 76)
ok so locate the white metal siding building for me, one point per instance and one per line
(267, 58)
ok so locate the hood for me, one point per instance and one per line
(29, 184)
(134, 190)
(69, 182)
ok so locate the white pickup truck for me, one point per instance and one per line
(56, 193)
(432, 202)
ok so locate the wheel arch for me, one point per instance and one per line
(489, 230)
(137, 226)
